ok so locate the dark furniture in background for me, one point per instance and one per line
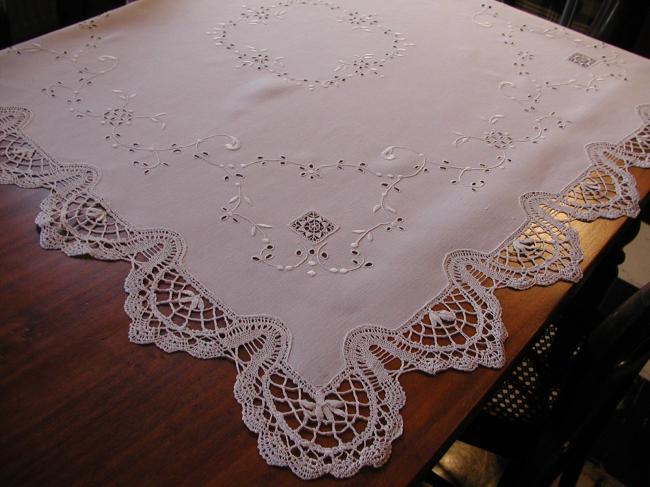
(21, 20)
(562, 397)
(572, 408)
(83, 405)
(623, 23)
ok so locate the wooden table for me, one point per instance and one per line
(79, 404)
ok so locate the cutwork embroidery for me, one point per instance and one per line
(598, 68)
(317, 254)
(350, 422)
(582, 60)
(313, 227)
(354, 418)
(503, 142)
(120, 117)
(359, 65)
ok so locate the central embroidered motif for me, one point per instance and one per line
(359, 65)
(313, 227)
(581, 60)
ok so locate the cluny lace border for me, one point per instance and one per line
(352, 421)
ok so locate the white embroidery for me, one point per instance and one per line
(598, 68)
(502, 141)
(120, 117)
(359, 65)
(582, 60)
(317, 255)
(313, 227)
(350, 422)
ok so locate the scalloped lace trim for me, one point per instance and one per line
(352, 421)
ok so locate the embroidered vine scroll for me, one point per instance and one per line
(326, 194)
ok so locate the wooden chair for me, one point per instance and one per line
(553, 438)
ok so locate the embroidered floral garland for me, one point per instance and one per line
(351, 422)
(122, 116)
(360, 65)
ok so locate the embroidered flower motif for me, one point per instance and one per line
(320, 459)
(523, 57)
(498, 139)
(261, 59)
(581, 60)
(118, 116)
(324, 409)
(313, 227)
(363, 64)
(310, 171)
(229, 215)
(354, 66)
(88, 24)
(259, 15)
(359, 21)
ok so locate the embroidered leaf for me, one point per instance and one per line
(234, 143)
(389, 153)
(495, 118)
(233, 199)
(375, 208)
(253, 231)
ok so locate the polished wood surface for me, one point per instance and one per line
(80, 405)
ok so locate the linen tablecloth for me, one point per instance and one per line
(326, 193)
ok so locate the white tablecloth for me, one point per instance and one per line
(294, 184)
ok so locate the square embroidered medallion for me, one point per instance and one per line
(313, 227)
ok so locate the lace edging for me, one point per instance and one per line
(351, 422)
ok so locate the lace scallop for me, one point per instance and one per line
(351, 422)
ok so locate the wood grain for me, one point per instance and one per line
(80, 405)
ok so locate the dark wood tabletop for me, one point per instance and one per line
(80, 405)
